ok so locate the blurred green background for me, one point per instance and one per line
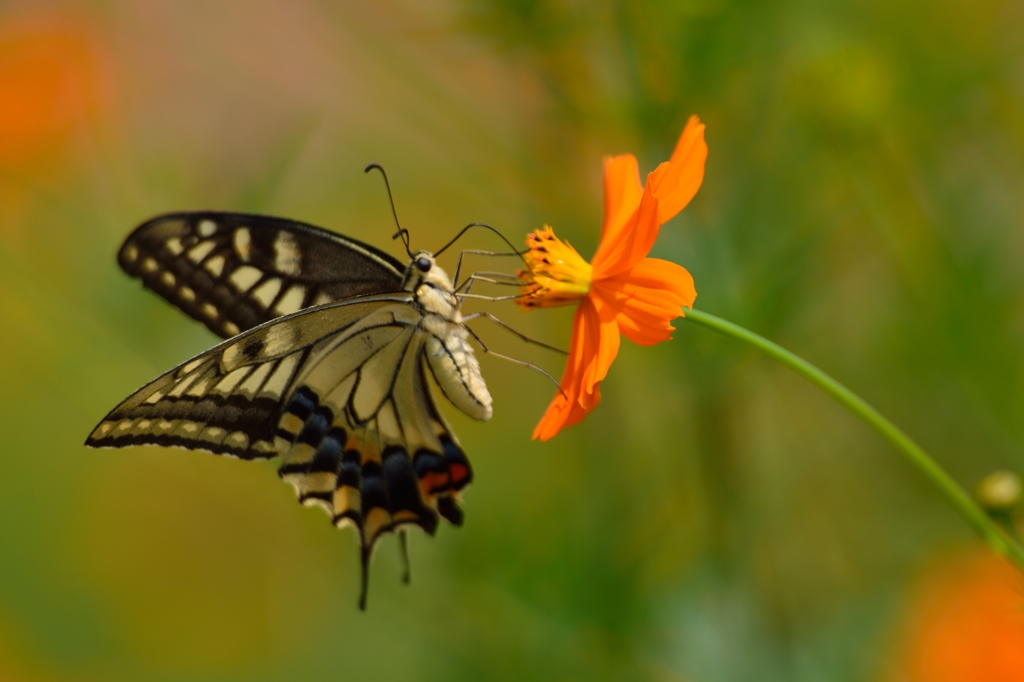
(716, 520)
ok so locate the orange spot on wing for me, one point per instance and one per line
(459, 473)
(434, 483)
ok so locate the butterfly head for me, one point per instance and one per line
(423, 269)
(425, 278)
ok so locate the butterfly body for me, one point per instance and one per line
(448, 351)
(338, 390)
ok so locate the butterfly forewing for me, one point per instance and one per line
(234, 271)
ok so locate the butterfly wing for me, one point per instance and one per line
(339, 392)
(234, 271)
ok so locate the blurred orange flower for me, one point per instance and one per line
(50, 79)
(969, 625)
(621, 291)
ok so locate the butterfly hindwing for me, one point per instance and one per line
(338, 391)
(361, 437)
(234, 271)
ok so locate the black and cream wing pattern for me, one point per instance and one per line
(339, 390)
(233, 271)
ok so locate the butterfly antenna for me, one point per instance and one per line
(515, 251)
(402, 232)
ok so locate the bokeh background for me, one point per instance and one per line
(716, 520)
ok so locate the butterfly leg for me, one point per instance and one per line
(506, 275)
(479, 277)
(524, 337)
(477, 252)
(517, 361)
(365, 561)
(492, 299)
(403, 540)
(488, 277)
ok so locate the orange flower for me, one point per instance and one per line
(967, 625)
(51, 79)
(621, 291)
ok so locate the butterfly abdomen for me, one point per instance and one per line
(456, 368)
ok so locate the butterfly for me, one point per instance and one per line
(329, 345)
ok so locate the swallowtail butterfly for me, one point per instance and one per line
(329, 344)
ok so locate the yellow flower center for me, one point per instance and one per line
(556, 275)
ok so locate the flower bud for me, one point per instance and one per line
(1000, 491)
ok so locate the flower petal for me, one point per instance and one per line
(646, 299)
(622, 192)
(627, 247)
(566, 410)
(561, 413)
(685, 172)
(628, 235)
(605, 331)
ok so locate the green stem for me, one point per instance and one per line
(957, 496)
